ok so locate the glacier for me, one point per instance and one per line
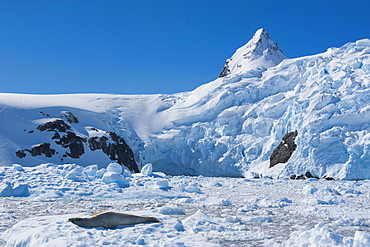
(229, 126)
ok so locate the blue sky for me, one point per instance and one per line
(162, 46)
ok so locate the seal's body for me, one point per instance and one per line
(110, 220)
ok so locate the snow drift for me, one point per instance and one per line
(228, 127)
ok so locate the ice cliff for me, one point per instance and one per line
(232, 125)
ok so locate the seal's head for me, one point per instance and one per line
(152, 219)
(75, 220)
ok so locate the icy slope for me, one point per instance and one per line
(234, 123)
(230, 126)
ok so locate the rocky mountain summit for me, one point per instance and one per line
(256, 56)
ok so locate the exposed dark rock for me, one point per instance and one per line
(31, 131)
(95, 143)
(56, 136)
(74, 143)
(70, 117)
(225, 70)
(117, 150)
(328, 178)
(69, 138)
(56, 125)
(308, 175)
(285, 149)
(300, 177)
(42, 149)
(46, 115)
(20, 154)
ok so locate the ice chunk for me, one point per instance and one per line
(330, 201)
(21, 190)
(232, 219)
(112, 177)
(249, 208)
(199, 218)
(191, 188)
(8, 189)
(140, 241)
(309, 190)
(18, 167)
(163, 184)
(361, 238)
(320, 235)
(76, 172)
(280, 203)
(126, 172)
(100, 173)
(261, 219)
(172, 210)
(91, 170)
(147, 169)
(114, 167)
(179, 226)
(221, 202)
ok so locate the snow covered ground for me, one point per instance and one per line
(194, 211)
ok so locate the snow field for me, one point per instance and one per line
(194, 211)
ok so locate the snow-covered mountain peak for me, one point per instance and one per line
(261, 39)
(254, 57)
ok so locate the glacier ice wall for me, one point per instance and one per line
(236, 122)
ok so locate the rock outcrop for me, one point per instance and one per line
(285, 149)
(226, 69)
(309, 175)
(70, 117)
(73, 142)
(116, 148)
(57, 125)
(36, 150)
(64, 135)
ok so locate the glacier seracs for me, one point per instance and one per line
(324, 97)
(230, 126)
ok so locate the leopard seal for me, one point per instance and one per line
(110, 219)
